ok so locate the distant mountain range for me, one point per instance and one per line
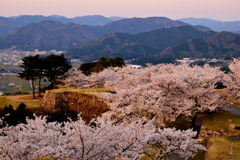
(136, 25)
(128, 46)
(6, 26)
(222, 45)
(116, 18)
(152, 39)
(214, 24)
(48, 34)
(9, 24)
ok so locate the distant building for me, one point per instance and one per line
(7, 64)
(134, 66)
(214, 60)
(186, 60)
(75, 60)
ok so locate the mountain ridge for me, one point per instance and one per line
(128, 46)
(41, 35)
(48, 35)
(222, 45)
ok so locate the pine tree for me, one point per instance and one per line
(56, 65)
(30, 68)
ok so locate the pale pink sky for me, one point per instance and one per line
(225, 10)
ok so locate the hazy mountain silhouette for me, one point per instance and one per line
(214, 24)
(48, 35)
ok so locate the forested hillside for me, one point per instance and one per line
(128, 46)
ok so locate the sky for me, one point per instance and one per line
(224, 10)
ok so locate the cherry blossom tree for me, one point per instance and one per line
(98, 140)
(166, 91)
(178, 142)
(233, 81)
(98, 80)
(128, 78)
(74, 79)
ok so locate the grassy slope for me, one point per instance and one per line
(221, 147)
(89, 91)
(30, 102)
(80, 90)
(221, 121)
(16, 100)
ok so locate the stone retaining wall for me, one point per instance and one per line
(205, 133)
(89, 105)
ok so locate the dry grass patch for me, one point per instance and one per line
(237, 105)
(3, 101)
(18, 99)
(89, 91)
(220, 91)
(220, 149)
(81, 90)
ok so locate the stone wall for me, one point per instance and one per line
(90, 106)
(205, 133)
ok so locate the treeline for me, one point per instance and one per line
(55, 66)
(101, 64)
(36, 67)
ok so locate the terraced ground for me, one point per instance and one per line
(34, 103)
(14, 84)
(218, 148)
(100, 92)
